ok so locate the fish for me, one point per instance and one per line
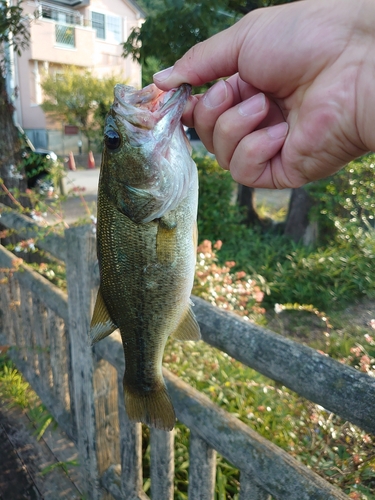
(146, 241)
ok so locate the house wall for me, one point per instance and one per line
(102, 57)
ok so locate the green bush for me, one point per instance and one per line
(345, 202)
(330, 276)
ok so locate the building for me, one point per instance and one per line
(84, 33)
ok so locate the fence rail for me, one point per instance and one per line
(82, 386)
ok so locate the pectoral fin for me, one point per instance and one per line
(101, 324)
(188, 329)
(166, 239)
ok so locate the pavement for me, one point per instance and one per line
(82, 187)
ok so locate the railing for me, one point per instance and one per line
(65, 35)
(82, 386)
(55, 13)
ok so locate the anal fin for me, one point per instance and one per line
(101, 324)
(188, 329)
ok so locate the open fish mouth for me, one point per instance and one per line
(146, 107)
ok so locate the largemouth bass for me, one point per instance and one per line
(146, 241)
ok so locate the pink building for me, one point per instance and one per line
(84, 33)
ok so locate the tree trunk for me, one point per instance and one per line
(10, 151)
(246, 198)
(297, 226)
(12, 181)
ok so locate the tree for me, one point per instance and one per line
(79, 98)
(177, 25)
(168, 32)
(14, 36)
(173, 26)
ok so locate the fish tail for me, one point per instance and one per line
(153, 408)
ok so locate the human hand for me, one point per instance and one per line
(300, 102)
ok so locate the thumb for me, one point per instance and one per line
(214, 58)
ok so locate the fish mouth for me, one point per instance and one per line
(146, 107)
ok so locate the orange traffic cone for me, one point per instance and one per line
(91, 160)
(71, 161)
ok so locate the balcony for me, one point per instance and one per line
(60, 14)
(59, 42)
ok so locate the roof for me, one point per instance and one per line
(137, 7)
(81, 3)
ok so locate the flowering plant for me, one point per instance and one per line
(219, 285)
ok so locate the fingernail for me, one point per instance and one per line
(278, 131)
(216, 95)
(253, 105)
(163, 75)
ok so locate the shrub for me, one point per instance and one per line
(330, 276)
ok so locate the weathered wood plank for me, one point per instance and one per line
(52, 296)
(42, 348)
(106, 415)
(111, 481)
(62, 416)
(125, 480)
(131, 477)
(29, 333)
(279, 473)
(58, 356)
(80, 262)
(36, 456)
(318, 378)
(27, 228)
(5, 318)
(250, 490)
(202, 469)
(162, 464)
(274, 469)
(15, 314)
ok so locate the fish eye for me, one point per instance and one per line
(112, 139)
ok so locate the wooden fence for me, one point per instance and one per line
(82, 386)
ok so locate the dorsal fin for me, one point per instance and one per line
(101, 324)
(188, 329)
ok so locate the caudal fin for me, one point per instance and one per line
(153, 408)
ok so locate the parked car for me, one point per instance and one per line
(38, 164)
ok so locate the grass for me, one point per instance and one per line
(251, 273)
(15, 391)
(338, 451)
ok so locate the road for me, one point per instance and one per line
(85, 183)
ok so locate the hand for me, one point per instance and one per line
(300, 102)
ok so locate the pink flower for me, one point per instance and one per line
(205, 247)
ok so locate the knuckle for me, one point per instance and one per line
(224, 128)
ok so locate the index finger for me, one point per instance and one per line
(214, 58)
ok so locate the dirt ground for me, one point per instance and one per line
(311, 329)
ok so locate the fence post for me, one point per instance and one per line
(249, 490)
(202, 469)
(162, 464)
(80, 270)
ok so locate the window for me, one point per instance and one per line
(65, 35)
(98, 23)
(113, 26)
(107, 27)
